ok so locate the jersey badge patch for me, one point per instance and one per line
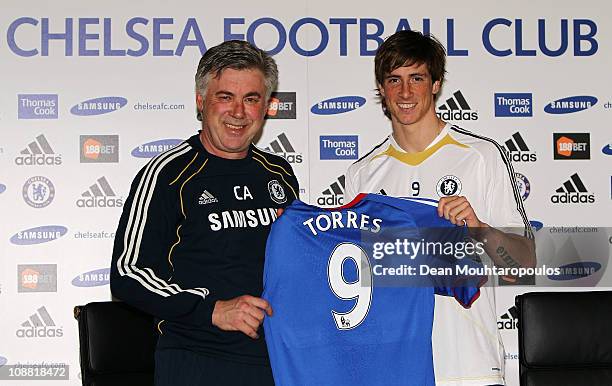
(448, 186)
(277, 193)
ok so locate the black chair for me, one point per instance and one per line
(565, 338)
(117, 344)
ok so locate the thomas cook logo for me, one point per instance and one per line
(338, 147)
(39, 153)
(38, 191)
(99, 195)
(94, 278)
(456, 108)
(282, 106)
(513, 105)
(98, 106)
(448, 186)
(37, 106)
(151, 149)
(570, 104)
(277, 193)
(39, 325)
(517, 149)
(334, 195)
(282, 147)
(338, 105)
(39, 235)
(573, 191)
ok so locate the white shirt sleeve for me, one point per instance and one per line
(349, 189)
(504, 201)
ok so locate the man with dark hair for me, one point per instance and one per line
(189, 248)
(474, 182)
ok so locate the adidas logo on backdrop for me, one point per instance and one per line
(282, 147)
(38, 152)
(39, 325)
(334, 195)
(99, 195)
(508, 321)
(517, 149)
(573, 191)
(456, 108)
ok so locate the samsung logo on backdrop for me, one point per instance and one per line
(3, 361)
(94, 278)
(97, 106)
(570, 104)
(576, 270)
(151, 149)
(606, 150)
(2, 188)
(338, 105)
(39, 235)
(537, 225)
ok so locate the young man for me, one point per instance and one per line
(190, 244)
(474, 182)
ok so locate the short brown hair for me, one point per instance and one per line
(405, 48)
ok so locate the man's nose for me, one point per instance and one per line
(406, 90)
(238, 109)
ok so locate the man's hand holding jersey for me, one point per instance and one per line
(506, 249)
(244, 313)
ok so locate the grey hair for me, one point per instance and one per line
(237, 55)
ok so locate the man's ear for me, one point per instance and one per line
(381, 91)
(436, 87)
(199, 102)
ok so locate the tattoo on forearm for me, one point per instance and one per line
(501, 252)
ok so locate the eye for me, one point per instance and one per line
(393, 80)
(417, 78)
(252, 99)
(224, 97)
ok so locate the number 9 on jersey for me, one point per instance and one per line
(360, 289)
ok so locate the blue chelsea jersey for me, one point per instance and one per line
(336, 320)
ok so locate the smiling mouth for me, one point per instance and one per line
(234, 127)
(406, 106)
